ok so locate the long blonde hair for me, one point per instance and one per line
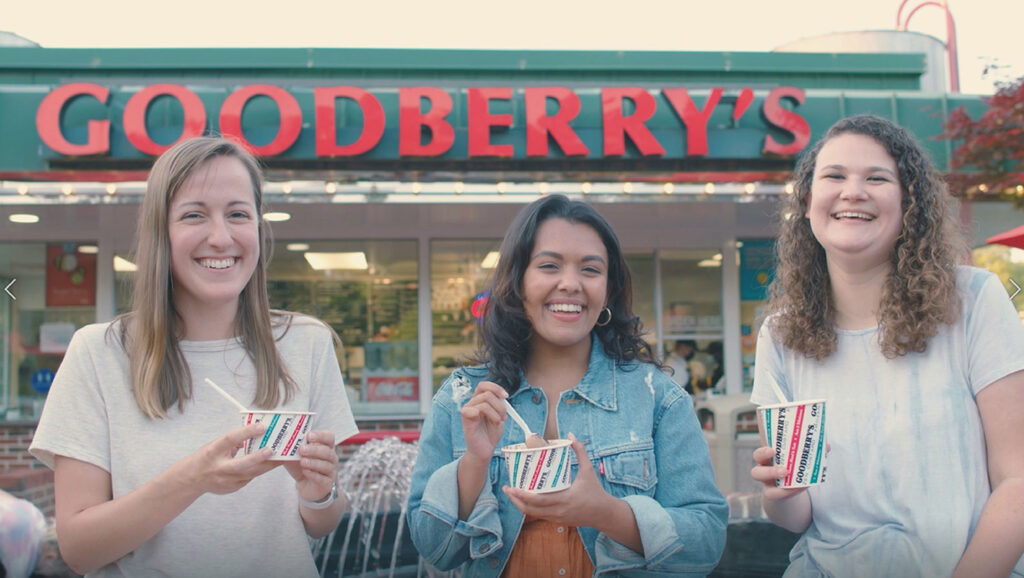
(151, 332)
(920, 293)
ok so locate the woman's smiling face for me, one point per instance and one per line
(856, 200)
(565, 285)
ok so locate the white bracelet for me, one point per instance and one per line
(324, 503)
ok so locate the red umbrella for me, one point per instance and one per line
(1011, 238)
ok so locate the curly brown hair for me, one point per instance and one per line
(920, 293)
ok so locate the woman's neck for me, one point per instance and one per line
(857, 293)
(209, 324)
(556, 369)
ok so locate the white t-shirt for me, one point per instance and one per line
(907, 471)
(91, 415)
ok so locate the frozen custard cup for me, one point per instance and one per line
(796, 432)
(286, 431)
(539, 470)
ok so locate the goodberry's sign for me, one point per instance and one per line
(431, 122)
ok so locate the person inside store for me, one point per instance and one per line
(679, 361)
(561, 344)
(920, 361)
(148, 477)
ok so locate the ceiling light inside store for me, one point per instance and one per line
(88, 249)
(417, 188)
(67, 189)
(331, 188)
(502, 187)
(297, 246)
(286, 189)
(789, 188)
(23, 218)
(585, 188)
(459, 187)
(22, 189)
(543, 188)
(709, 189)
(668, 188)
(329, 261)
(490, 261)
(276, 217)
(627, 188)
(122, 265)
(111, 189)
(709, 263)
(749, 188)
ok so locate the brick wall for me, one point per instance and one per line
(21, 474)
(14, 441)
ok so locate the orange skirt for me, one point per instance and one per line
(547, 549)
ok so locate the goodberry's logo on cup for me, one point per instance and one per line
(797, 434)
(539, 470)
(285, 433)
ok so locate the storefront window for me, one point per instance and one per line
(54, 295)
(757, 269)
(366, 291)
(641, 269)
(459, 273)
(691, 282)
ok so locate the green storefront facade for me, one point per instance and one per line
(410, 164)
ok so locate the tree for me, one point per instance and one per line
(988, 162)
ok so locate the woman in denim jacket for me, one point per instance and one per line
(560, 338)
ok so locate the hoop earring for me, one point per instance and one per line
(607, 321)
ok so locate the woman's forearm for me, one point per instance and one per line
(97, 535)
(472, 475)
(998, 540)
(319, 523)
(792, 513)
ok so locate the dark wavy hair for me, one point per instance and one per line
(505, 330)
(920, 293)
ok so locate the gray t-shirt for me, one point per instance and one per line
(91, 415)
(907, 471)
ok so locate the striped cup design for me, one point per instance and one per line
(286, 431)
(796, 431)
(539, 470)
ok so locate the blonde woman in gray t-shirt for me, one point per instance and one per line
(147, 476)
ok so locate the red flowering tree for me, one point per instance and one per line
(988, 160)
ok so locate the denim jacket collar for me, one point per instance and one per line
(595, 386)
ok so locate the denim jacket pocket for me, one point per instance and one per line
(631, 472)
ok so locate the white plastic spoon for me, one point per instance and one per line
(532, 440)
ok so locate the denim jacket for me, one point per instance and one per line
(641, 434)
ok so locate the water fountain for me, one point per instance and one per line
(374, 540)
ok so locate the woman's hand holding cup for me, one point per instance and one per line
(316, 473)
(767, 473)
(214, 468)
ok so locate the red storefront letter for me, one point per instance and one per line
(287, 132)
(696, 121)
(539, 125)
(480, 121)
(787, 120)
(327, 121)
(411, 122)
(135, 116)
(48, 120)
(616, 126)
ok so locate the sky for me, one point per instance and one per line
(987, 31)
